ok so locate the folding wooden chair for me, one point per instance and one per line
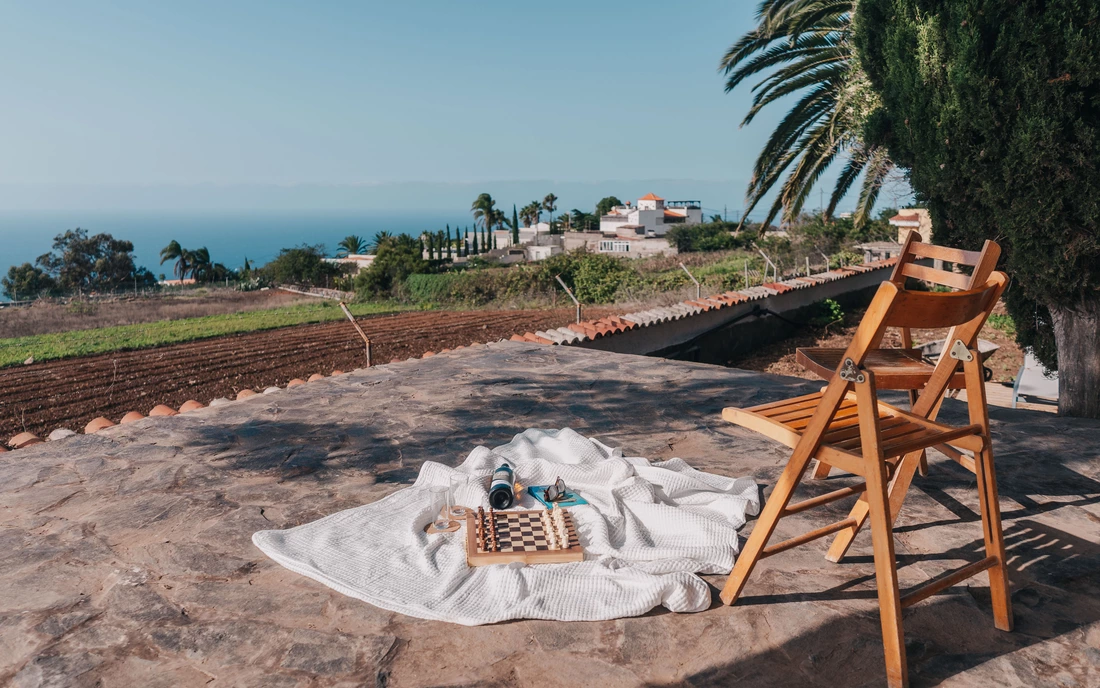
(905, 368)
(846, 426)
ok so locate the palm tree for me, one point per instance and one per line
(483, 209)
(805, 47)
(201, 267)
(379, 239)
(531, 213)
(350, 245)
(549, 204)
(173, 251)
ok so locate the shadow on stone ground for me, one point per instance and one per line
(125, 557)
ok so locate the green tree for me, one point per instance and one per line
(483, 209)
(200, 264)
(303, 265)
(79, 262)
(396, 258)
(475, 247)
(351, 245)
(803, 48)
(530, 213)
(380, 238)
(550, 204)
(605, 205)
(27, 282)
(173, 251)
(994, 107)
(515, 226)
(449, 256)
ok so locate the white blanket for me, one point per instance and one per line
(648, 528)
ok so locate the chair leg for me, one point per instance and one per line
(765, 526)
(886, 576)
(899, 486)
(994, 539)
(882, 535)
(987, 494)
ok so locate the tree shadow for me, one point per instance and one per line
(441, 408)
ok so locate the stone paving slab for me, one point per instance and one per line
(125, 556)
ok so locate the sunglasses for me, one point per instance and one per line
(556, 491)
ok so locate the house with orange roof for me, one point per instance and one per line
(653, 216)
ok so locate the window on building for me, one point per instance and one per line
(614, 247)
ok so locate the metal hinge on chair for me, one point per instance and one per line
(850, 372)
(960, 352)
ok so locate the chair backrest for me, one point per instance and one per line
(965, 312)
(982, 264)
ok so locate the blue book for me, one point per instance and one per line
(570, 498)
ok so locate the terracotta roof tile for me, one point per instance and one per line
(191, 405)
(315, 376)
(337, 372)
(130, 417)
(162, 410)
(245, 393)
(96, 425)
(24, 439)
(295, 382)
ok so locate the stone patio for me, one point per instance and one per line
(126, 559)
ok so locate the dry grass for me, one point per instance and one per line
(47, 317)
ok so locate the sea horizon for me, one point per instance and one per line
(230, 236)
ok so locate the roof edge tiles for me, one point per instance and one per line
(569, 334)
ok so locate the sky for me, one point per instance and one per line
(242, 104)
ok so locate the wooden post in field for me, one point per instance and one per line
(366, 339)
(570, 292)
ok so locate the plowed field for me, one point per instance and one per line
(43, 396)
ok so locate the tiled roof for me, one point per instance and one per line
(651, 197)
(573, 333)
(905, 218)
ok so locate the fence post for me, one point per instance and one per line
(570, 292)
(698, 289)
(775, 270)
(366, 339)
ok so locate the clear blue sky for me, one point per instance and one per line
(143, 93)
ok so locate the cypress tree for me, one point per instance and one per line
(515, 226)
(475, 242)
(992, 107)
(448, 242)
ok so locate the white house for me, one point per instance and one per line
(623, 244)
(362, 261)
(652, 217)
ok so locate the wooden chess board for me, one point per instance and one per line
(520, 537)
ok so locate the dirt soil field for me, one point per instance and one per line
(46, 317)
(67, 394)
(779, 357)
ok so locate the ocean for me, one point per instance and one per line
(230, 236)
